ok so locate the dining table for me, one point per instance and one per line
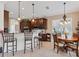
(70, 40)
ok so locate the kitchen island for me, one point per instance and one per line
(20, 40)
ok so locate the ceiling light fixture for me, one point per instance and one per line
(19, 11)
(64, 21)
(47, 7)
(33, 12)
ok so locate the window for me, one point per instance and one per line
(59, 28)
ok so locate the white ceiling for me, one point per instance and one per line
(42, 8)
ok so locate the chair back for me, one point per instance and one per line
(28, 35)
(75, 35)
(40, 34)
(8, 37)
(55, 37)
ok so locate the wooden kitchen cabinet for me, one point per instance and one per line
(6, 20)
(45, 37)
(24, 25)
(40, 23)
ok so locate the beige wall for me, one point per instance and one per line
(1, 16)
(74, 16)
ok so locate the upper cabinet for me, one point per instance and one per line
(40, 23)
(24, 24)
(6, 20)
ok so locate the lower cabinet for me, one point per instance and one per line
(46, 37)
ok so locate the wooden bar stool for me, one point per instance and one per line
(38, 42)
(9, 38)
(28, 37)
(39, 37)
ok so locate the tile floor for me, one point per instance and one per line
(45, 51)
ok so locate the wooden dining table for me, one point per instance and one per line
(70, 40)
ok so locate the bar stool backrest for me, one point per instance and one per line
(8, 37)
(28, 35)
(40, 34)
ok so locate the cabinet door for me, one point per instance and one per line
(24, 25)
(45, 23)
(6, 19)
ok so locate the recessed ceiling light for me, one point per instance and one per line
(22, 8)
(47, 7)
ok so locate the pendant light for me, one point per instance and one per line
(33, 12)
(64, 21)
(64, 17)
(19, 11)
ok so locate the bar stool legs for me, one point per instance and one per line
(3, 50)
(39, 44)
(34, 43)
(24, 46)
(16, 45)
(13, 48)
(31, 46)
(25, 43)
(7, 47)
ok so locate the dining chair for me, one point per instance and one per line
(74, 46)
(55, 40)
(9, 41)
(57, 44)
(28, 38)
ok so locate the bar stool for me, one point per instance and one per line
(39, 37)
(37, 41)
(9, 38)
(28, 37)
